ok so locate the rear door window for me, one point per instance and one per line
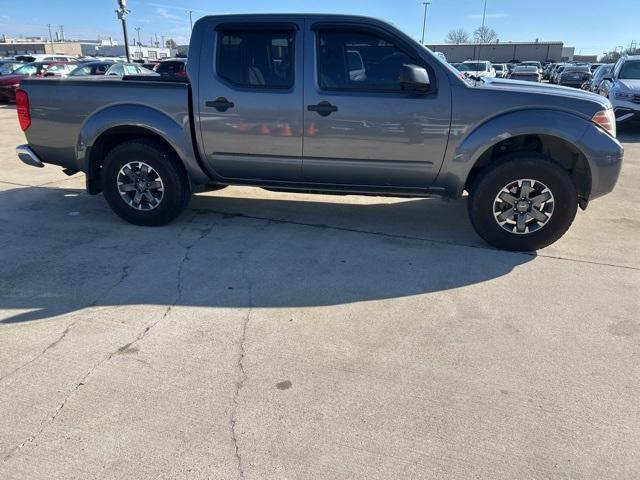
(262, 59)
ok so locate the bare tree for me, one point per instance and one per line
(485, 34)
(457, 35)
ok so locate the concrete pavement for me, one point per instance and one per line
(286, 336)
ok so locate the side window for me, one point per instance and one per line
(263, 59)
(130, 70)
(116, 70)
(352, 60)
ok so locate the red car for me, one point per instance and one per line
(10, 83)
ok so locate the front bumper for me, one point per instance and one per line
(28, 156)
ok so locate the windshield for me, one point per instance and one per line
(472, 66)
(577, 69)
(530, 69)
(27, 70)
(630, 70)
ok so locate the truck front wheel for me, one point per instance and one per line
(144, 183)
(524, 202)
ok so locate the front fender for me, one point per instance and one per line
(176, 131)
(465, 148)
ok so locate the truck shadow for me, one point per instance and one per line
(63, 251)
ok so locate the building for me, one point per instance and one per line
(501, 52)
(82, 48)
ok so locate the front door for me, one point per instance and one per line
(250, 101)
(360, 127)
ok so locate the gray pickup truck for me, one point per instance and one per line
(329, 104)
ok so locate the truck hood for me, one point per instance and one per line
(633, 85)
(544, 89)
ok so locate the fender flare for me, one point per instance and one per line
(463, 154)
(176, 134)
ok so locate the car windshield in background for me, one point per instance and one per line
(472, 67)
(170, 68)
(630, 70)
(526, 69)
(579, 68)
(28, 70)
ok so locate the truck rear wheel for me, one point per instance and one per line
(524, 202)
(144, 183)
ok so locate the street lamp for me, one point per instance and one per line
(191, 18)
(137, 29)
(424, 20)
(122, 14)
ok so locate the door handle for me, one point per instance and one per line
(323, 109)
(221, 104)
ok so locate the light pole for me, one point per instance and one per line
(137, 29)
(191, 18)
(50, 36)
(424, 20)
(122, 14)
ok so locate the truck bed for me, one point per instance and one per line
(61, 110)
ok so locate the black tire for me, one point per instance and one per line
(524, 165)
(175, 194)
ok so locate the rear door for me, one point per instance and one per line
(370, 131)
(250, 99)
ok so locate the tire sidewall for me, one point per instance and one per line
(176, 189)
(510, 169)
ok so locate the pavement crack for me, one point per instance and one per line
(124, 274)
(242, 374)
(413, 238)
(122, 277)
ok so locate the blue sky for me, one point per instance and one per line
(593, 27)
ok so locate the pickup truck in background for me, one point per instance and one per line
(328, 104)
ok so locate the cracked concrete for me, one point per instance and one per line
(274, 336)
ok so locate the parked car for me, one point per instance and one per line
(479, 69)
(46, 57)
(622, 88)
(174, 67)
(90, 69)
(574, 76)
(527, 73)
(122, 69)
(8, 66)
(10, 83)
(600, 73)
(262, 85)
(556, 73)
(501, 70)
(546, 71)
(532, 63)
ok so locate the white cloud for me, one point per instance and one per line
(478, 16)
(164, 13)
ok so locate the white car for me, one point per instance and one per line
(46, 57)
(482, 68)
(622, 88)
(502, 71)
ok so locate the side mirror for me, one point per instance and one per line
(414, 79)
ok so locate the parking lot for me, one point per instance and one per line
(291, 336)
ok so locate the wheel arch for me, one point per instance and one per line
(555, 134)
(115, 125)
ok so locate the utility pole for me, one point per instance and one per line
(122, 14)
(62, 33)
(137, 29)
(50, 36)
(163, 44)
(191, 18)
(424, 20)
(157, 44)
(484, 16)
